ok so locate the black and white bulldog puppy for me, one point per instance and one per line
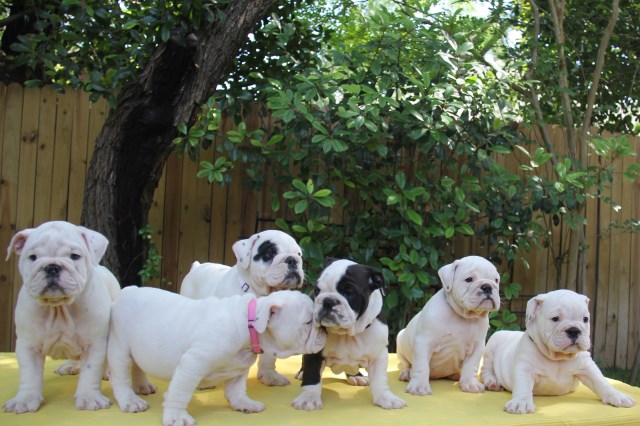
(266, 262)
(348, 304)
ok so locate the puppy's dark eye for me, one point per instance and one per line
(316, 291)
(585, 320)
(33, 257)
(555, 319)
(469, 280)
(75, 256)
(497, 281)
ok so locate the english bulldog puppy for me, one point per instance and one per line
(550, 358)
(62, 310)
(174, 337)
(266, 262)
(348, 304)
(446, 339)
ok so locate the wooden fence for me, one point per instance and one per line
(46, 141)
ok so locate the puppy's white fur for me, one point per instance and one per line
(251, 274)
(186, 340)
(62, 310)
(446, 339)
(546, 359)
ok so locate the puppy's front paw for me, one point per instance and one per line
(23, 404)
(389, 401)
(471, 386)
(133, 404)
(619, 399)
(405, 375)
(520, 406)
(358, 379)
(273, 378)
(416, 388)
(307, 402)
(177, 417)
(247, 405)
(68, 368)
(92, 400)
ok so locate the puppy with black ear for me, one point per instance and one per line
(348, 303)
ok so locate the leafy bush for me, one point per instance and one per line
(393, 147)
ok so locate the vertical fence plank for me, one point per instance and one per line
(78, 161)
(634, 284)
(62, 155)
(45, 149)
(10, 147)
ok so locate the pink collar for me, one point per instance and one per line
(253, 334)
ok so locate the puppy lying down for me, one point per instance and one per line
(174, 337)
(550, 358)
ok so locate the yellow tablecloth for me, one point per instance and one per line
(343, 404)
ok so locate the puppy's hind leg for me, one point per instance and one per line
(141, 383)
(120, 365)
(357, 379)
(405, 368)
(70, 367)
(267, 373)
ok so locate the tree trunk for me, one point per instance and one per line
(136, 139)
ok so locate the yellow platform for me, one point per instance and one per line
(343, 404)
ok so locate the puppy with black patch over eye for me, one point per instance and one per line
(446, 339)
(266, 262)
(348, 305)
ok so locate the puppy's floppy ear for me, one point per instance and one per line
(376, 279)
(329, 260)
(533, 307)
(243, 248)
(96, 243)
(266, 307)
(17, 242)
(446, 274)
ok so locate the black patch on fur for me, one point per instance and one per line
(266, 252)
(357, 284)
(311, 368)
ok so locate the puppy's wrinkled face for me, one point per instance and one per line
(343, 292)
(56, 260)
(473, 283)
(272, 259)
(290, 329)
(560, 321)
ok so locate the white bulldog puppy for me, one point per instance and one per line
(173, 337)
(348, 304)
(62, 310)
(550, 357)
(267, 261)
(446, 339)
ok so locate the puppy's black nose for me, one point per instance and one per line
(291, 262)
(573, 333)
(329, 303)
(52, 270)
(486, 288)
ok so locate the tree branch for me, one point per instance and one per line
(557, 15)
(597, 72)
